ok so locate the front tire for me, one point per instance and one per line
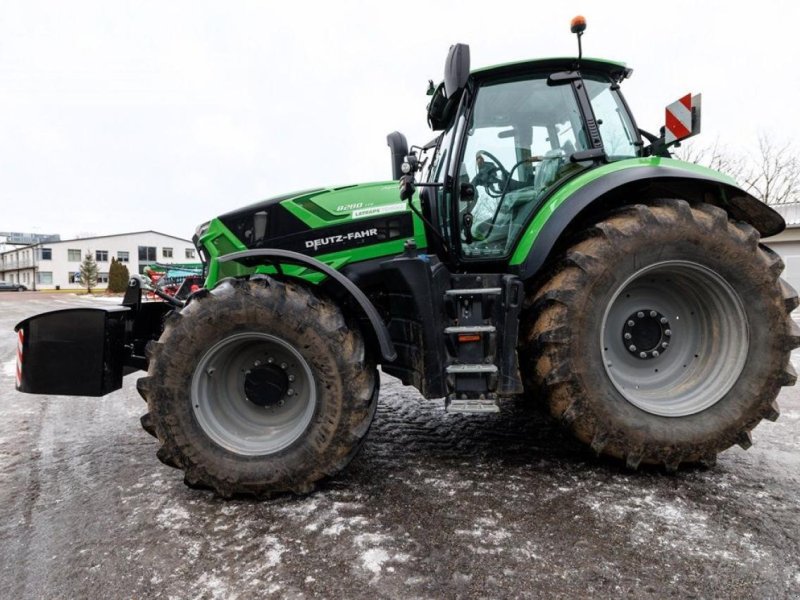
(664, 336)
(258, 387)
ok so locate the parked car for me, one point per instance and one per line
(9, 286)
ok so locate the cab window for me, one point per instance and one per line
(519, 140)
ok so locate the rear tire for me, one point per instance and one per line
(664, 273)
(258, 387)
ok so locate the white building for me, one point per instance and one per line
(787, 243)
(56, 265)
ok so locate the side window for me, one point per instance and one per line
(616, 128)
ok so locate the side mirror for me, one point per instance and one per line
(399, 147)
(456, 69)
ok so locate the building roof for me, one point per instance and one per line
(790, 213)
(100, 237)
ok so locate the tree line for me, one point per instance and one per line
(771, 172)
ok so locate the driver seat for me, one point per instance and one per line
(547, 170)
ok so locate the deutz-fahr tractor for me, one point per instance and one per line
(540, 245)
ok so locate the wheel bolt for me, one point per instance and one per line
(291, 377)
(653, 313)
(668, 332)
(256, 363)
(640, 314)
(210, 371)
(664, 344)
(655, 353)
(628, 336)
(290, 392)
(631, 323)
(642, 354)
(270, 360)
(632, 348)
(663, 320)
(283, 366)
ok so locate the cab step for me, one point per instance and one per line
(471, 406)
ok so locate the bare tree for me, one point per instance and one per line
(771, 174)
(774, 177)
(716, 157)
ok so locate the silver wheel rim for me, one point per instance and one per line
(234, 406)
(699, 317)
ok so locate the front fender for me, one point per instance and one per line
(627, 182)
(275, 255)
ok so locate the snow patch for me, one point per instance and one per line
(213, 587)
(373, 559)
(172, 517)
(272, 557)
(10, 368)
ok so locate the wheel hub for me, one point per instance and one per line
(253, 393)
(266, 385)
(646, 334)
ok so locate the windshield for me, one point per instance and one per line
(519, 141)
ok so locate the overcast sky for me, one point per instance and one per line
(122, 116)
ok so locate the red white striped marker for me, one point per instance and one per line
(681, 120)
(20, 341)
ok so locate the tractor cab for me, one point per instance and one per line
(510, 135)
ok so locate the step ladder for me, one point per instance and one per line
(472, 344)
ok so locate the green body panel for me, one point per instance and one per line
(333, 206)
(573, 185)
(318, 210)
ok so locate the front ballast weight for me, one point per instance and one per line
(87, 351)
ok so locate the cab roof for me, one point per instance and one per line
(617, 70)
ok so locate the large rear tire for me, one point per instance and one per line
(258, 387)
(664, 336)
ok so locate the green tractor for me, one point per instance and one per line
(541, 243)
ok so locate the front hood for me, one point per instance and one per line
(341, 204)
(354, 215)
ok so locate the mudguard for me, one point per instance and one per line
(683, 180)
(276, 256)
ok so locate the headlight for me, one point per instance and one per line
(201, 230)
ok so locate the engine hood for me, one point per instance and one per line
(324, 206)
(354, 214)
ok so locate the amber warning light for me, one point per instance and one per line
(578, 24)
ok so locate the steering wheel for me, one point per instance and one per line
(487, 176)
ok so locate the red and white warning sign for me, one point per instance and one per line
(20, 343)
(682, 118)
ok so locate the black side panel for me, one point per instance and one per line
(680, 183)
(74, 352)
(416, 290)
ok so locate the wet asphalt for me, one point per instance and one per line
(435, 506)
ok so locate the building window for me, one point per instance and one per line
(167, 252)
(75, 277)
(190, 253)
(102, 278)
(45, 254)
(147, 253)
(123, 256)
(101, 255)
(45, 277)
(73, 255)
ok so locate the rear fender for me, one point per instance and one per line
(576, 204)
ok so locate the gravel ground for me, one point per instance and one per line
(435, 506)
